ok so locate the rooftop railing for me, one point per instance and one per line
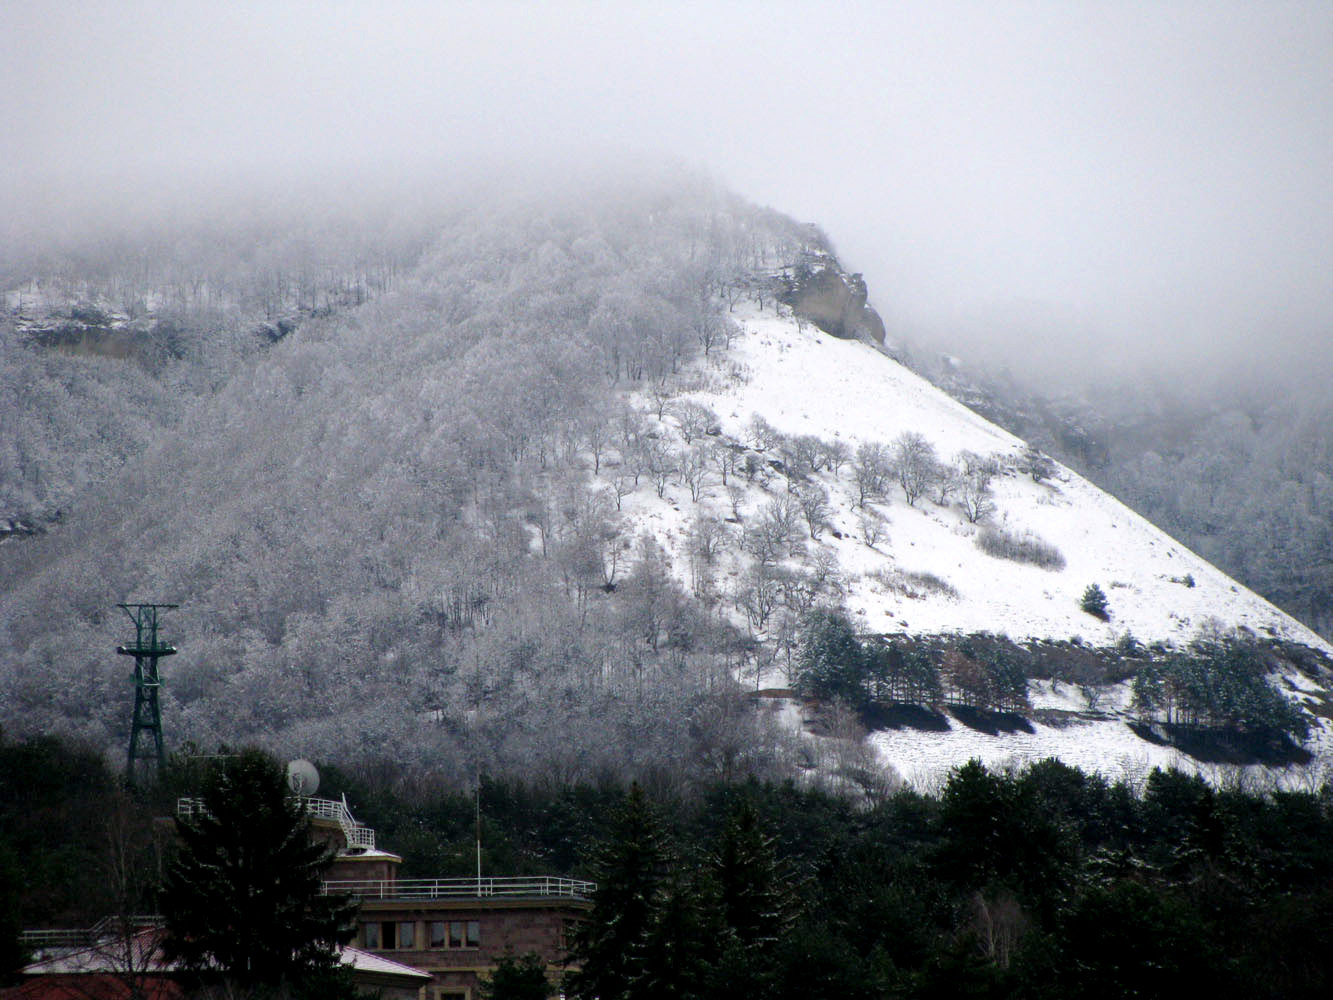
(358, 835)
(463, 888)
(82, 937)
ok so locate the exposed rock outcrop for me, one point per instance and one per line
(818, 290)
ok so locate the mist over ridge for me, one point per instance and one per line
(1106, 188)
(459, 482)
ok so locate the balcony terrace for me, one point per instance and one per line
(520, 887)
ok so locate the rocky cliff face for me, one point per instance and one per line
(820, 291)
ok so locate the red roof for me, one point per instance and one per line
(88, 985)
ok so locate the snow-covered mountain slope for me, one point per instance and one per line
(927, 575)
(803, 381)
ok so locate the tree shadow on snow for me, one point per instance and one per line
(904, 717)
(1223, 746)
(991, 723)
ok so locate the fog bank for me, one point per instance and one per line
(1084, 188)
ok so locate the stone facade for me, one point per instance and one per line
(459, 940)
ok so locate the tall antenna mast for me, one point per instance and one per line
(476, 760)
(146, 650)
(476, 764)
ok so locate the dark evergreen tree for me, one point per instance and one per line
(1094, 602)
(521, 978)
(1127, 940)
(832, 663)
(242, 896)
(755, 892)
(996, 835)
(611, 947)
(12, 953)
(756, 906)
(680, 950)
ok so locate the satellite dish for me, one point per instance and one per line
(302, 778)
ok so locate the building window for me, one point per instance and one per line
(437, 933)
(370, 934)
(388, 935)
(464, 933)
(407, 934)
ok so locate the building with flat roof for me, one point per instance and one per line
(416, 939)
(454, 929)
(458, 929)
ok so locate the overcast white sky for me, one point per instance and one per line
(1102, 181)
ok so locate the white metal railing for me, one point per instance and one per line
(82, 937)
(60, 938)
(472, 888)
(359, 836)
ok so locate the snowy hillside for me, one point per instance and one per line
(925, 574)
(563, 486)
(803, 381)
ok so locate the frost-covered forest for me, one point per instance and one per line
(386, 460)
(360, 468)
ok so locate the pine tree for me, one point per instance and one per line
(12, 953)
(755, 891)
(242, 896)
(1094, 602)
(681, 945)
(832, 663)
(757, 905)
(611, 948)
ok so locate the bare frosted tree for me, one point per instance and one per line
(814, 502)
(797, 588)
(975, 496)
(126, 877)
(724, 459)
(661, 391)
(763, 435)
(659, 462)
(707, 537)
(779, 524)
(801, 456)
(874, 528)
(695, 471)
(710, 331)
(825, 570)
(694, 419)
(612, 550)
(871, 471)
(759, 541)
(730, 331)
(736, 496)
(836, 454)
(1038, 465)
(948, 480)
(597, 431)
(914, 462)
(758, 595)
(623, 484)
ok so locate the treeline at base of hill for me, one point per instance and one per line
(1036, 882)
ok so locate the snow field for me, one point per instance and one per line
(803, 381)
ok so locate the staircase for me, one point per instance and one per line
(359, 836)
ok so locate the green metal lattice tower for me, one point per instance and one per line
(147, 650)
